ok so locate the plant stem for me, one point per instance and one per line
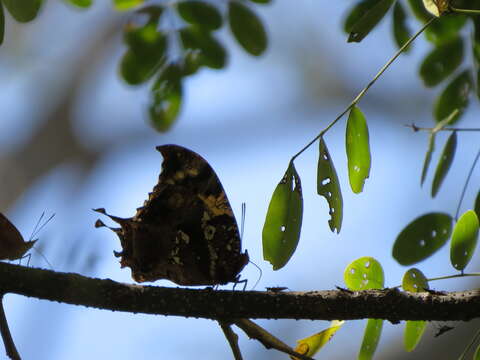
(366, 88)
(465, 11)
(466, 184)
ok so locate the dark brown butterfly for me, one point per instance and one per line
(186, 231)
(12, 244)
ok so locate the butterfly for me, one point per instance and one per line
(12, 244)
(186, 231)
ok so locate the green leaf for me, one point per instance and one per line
(200, 13)
(455, 96)
(281, 231)
(444, 163)
(464, 240)
(445, 29)
(83, 4)
(2, 24)
(422, 238)
(477, 205)
(476, 356)
(166, 98)
(247, 28)
(261, 1)
(146, 54)
(357, 11)
(414, 281)
(413, 334)
(312, 344)
(441, 62)
(401, 32)
(365, 273)
(358, 150)
(124, 5)
(369, 20)
(371, 337)
(23, 10)
(328, 186)
(212, 53)
(428, 157)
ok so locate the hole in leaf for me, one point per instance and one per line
(422, 243)
(414, 275)
(364, 276)
(434, 233)
(282, 228)
(325, 157)
(367, 264)
(352, 271)
(326, 181)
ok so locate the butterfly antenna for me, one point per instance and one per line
(242, 225)
(36, 225)
(259, 277)
(36, 231)
(43, 257)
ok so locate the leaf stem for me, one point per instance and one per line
(466, 183)
(469, 346)
(453, 276)
(465, 11)
(366, 88)
(418, 128)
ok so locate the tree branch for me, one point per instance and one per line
(389, 304)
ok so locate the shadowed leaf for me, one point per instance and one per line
(329, 187)
(23, 10)
(200, 13)
(281, 231)
(369, 20)
(210, 52)
(444, 163)
(422, 238)
(401, 32)
(455, 96)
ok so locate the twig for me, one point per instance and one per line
(417, 128)
(10, 348)
(268, 340)
(232, 339)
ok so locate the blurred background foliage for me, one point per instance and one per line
(75, 136)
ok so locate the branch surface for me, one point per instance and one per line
(388, 304)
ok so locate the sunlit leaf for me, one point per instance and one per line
(124, 5)
(328, 186)
(283, 223)
(436, 7)
(247, 28)
(476, 356)
(371, 338)
(23, 10)
(444, 162)
(422, 238)
(441, 62)
(455, 96)
(211, 52)
(83, 4)
(312, 344)
(166, 98)
(401, 32)
(358, 150)
(414, 281)
(364, 274)
(419, 10)
(464, 240)
(369, 20)
(200, 13)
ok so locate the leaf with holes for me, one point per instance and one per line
(166, 100)
(369, 20)
(23, 11)
(422, 238)
(444, 163)
(358, 150)
(200, 13)
(281, 230)
(455, 96)
(247, 28)
(124, 5)
(414, 281)
(464, 240)
(312, 344)
(371, 338)
(441, 62)
(364, 274)
(328, 186)
(210, 52)
(401, 32)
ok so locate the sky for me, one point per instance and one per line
(247, 121)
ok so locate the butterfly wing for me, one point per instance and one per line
(12, 244)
